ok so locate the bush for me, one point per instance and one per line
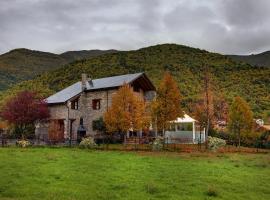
(23, 143)
(215, 143)
(87, 143)
(98, 125)
(263, 141)
(158, 144)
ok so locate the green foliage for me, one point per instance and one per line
(264, 140)
(184, 63)
(261, 59)
(24, 64)
(29, 132)
(99, 125)
(87, 143)
(215, 143)
(158, 144)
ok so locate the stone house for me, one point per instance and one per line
(73, 109)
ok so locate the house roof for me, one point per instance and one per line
(97, 84)
(184, 119)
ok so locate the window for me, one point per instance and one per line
(96, 104)
(75, 104)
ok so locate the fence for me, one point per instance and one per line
(135, 144)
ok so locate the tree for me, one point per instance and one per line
(221, 107)
(24, 109)
(166, 106)
(240, 118)
(200, 115)
(208, 101)
(127, 112)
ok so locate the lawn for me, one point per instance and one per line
(62, 173)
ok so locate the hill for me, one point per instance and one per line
(70, 56)
(261, 59)
(24, 64)
(186, 65)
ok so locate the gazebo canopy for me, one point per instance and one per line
(185, 119)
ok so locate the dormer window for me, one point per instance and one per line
(75, 104)
(96, 104)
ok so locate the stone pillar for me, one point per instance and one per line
(66, 129)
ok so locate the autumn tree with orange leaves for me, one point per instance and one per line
(166, 106)
(127, 112)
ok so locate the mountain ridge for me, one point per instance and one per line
(186, 64)
(23, 64)
(260, 59)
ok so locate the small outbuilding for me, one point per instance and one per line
(185, 130)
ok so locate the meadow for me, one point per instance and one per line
(63, 173)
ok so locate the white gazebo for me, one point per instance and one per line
(184, 130)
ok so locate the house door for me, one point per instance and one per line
(56, 130)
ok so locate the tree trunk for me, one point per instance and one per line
(22, 131)
(239, 139)
(206, 133)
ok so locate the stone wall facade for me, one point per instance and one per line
(85, 111)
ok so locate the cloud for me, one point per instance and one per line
(231, 26)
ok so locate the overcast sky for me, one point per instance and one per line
(224, 26)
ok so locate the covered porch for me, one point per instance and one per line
(184, 130)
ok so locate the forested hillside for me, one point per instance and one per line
(71, 56)
(261, 59)
(24, 64)
(185, 64)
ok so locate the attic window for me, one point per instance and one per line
(75, 104)
(96, 104)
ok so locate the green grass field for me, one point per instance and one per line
(62, 173)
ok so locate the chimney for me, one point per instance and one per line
(84, 80)
(90, 82)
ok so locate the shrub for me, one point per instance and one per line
(87, 143)
(158, 144)
(215, 143)
(23, 143)
(99, 125)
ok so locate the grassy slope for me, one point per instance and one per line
(185, 63)
(80, 174)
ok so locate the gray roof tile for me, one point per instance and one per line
(75, 89)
